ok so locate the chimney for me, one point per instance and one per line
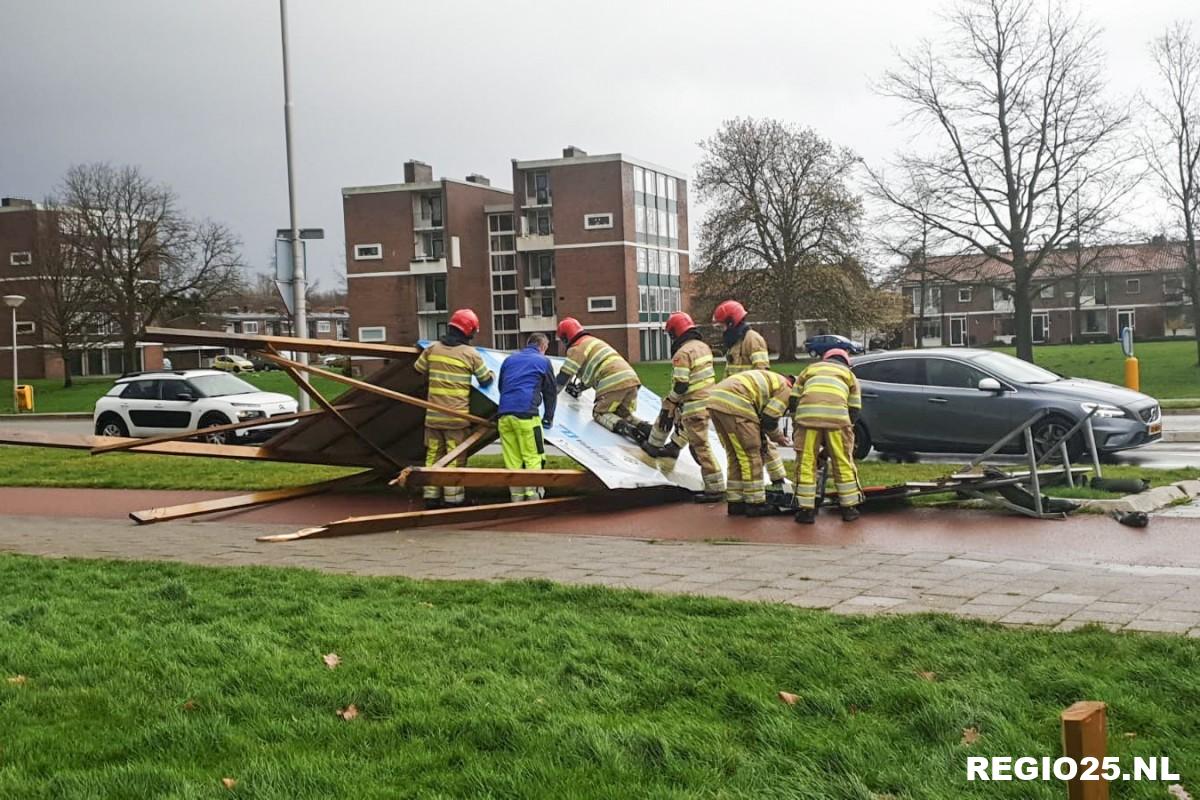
(571, 151)
(482, 180)
(15, 202)
(417, 172)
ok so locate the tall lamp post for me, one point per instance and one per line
(14, 301)
(299, 312)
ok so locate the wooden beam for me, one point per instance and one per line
(246, 341)
(1084, 735)
(471, 477)
(478, 438)
(287, 363)
(165, 513)
(381, 523)
(320, 400)
(233, 426)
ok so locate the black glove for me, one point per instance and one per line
(547, 424)
(854, 412)
(665, 419)
(575, 389)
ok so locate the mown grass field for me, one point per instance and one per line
(38, 466)
(51, 397)
(137, 680)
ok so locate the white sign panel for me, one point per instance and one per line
(616, 461)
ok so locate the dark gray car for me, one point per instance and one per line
(960, 400)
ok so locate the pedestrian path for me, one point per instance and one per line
(1062, 595)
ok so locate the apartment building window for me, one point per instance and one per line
(1095, 321)
(368, 252)
(502, 250)
(538, 223)
(541, 271)
(1173, 287)
(933, 299)
(673, 263)
(249, 327)
(964, 294)
(1002, 299)
(537, 188)
(592, 222)
(430, 247)
(655, 345)
(372, 334)
(429, 211)
(1093, 292)
(324, 326)
(26, 328)
(1126, 318)
(506, 282)
(600, 304)
(655, 211)
(433, 294)
(539, 303)
(1133, 286)
(21, 258)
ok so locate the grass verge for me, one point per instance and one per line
(159, 680)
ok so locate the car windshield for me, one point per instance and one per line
(220, 385)
(1014, 369)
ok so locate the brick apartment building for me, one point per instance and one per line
(602, 238)
(968, 301)
(19, 258)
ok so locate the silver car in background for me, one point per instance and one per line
(961, 400)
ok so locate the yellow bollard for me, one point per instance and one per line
(1132, 375)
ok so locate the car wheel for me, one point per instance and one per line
(212, 421)
(1049, 430)
(862, 441)
(813, 354)
(111, 425)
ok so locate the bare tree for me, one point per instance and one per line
(1017, 104)
(151, 260)
(65, 292)
(1173, 145)
(780, 205)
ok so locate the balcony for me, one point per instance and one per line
(535, 324)
(427, 265)
(528, 242)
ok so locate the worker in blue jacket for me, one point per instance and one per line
(526, 384)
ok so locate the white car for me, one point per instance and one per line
(155, 403)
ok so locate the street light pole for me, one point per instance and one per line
(13, 301)
(299, 313)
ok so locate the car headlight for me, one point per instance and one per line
(254, 413)
(1103, 410)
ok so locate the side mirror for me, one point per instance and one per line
(990, 385)
(185, 396)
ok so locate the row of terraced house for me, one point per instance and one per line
(1080, 295)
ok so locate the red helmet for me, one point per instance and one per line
(678, 324)
(729, 313)
(568, 329)
(466, 321)
(839, 354)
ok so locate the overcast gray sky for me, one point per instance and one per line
(192, 91)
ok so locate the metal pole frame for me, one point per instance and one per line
(300, 312)
(16, 408)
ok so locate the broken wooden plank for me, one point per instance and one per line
(290, 368)
(131, 444)
(475, 477)
(287, 363)
(475, 440)
(403, 520)
(242, 501)
(246, 341)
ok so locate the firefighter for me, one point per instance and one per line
(746, 349)
(526, 384)
(745, 408)
(449, 364)
(684, 416)
(825, 404)
(593, 364)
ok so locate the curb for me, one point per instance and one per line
(1150, 500)
(1181, 411)
(48, 415)
(1181, 437)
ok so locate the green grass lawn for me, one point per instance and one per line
(51, 397)
(146, 680)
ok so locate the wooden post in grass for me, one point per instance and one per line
(1084, 734)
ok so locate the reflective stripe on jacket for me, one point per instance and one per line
(450, 368)
(825, 392)
(692, 365)
(754, 393)
(598, 366)
(748, 353)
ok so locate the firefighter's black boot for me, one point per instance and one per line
(708, 497)
(669, 450)
(433, 503)
(623, 428)
(737, 509)
(850, 513)
(806, 516)
(759, 510)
